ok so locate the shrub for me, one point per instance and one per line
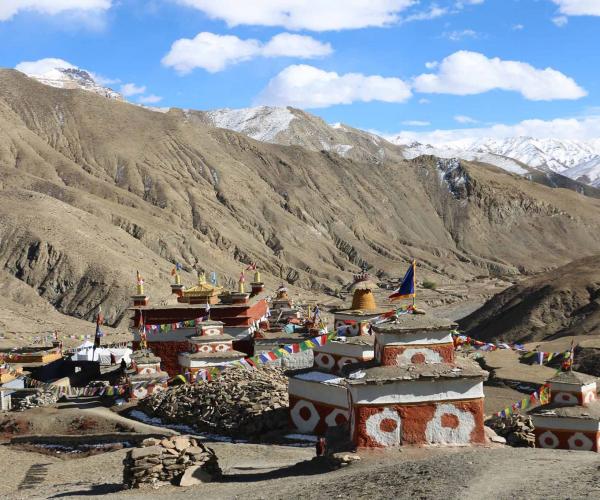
(430, 285)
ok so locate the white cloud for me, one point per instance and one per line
(578, 7)
(309, 87)
(431, 64)
(455, 36)
(456, 76)
(433, 12)
(464, 119)
(43, 66)
(10, 8)
(321, 15)
(424, 101)
(130, 89)
(215, 52)
(149, 99)
(560, 21)
(580, 128)
(290, 45)
(416, 123)
(518, 27)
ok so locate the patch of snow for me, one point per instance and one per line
(324, 378)
(587, 172)
(342, 149)
(73, 78)
(262, 123)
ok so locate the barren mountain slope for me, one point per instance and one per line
(557, 303)
(93, 189)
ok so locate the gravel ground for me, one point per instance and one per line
(259, 471)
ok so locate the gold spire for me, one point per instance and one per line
(201, 279)
(140, 284)
(257, 276)
(241, 282)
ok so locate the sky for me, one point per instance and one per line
(433, 71)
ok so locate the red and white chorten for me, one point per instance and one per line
(148, 377)
(212, 347)
(571, 420)
(414, 392)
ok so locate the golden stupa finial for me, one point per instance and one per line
(201, 278)
(241, 282)
(140, 283)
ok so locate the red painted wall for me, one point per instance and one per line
(567, 439)
(388, 357)
(415, 419)
(168, 352)
(318, 421)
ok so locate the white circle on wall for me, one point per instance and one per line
(205, 348)
(566, 397)
(580, 441)
(324, 360)
(305, 424)
(221, 347)
(384, 437)
(450, 425)
(345, 360)
(330, 419)
(548, 439)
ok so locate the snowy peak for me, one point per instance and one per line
(263, 123)
(67, 77)
(578, 160)
(294, 127)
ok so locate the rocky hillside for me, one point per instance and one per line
(93, 189)
(294, 127)
(557, 303)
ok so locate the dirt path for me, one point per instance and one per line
(259, 471)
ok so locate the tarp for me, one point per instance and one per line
(102, 354)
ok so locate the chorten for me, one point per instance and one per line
(210, 347)
(571, 420)
(147, 377)
(413, 392)
(140, 298)
(356, 319)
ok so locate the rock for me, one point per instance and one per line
(498, 439)
(150, 442)
(181, 444)
(167, 443)
(195, 475)
(138, 453)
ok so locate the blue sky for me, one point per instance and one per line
(435, 70)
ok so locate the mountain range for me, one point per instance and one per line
(93, 189)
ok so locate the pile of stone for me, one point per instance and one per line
(34, 400)
(516, 429)
(179, 460)
(240, 403)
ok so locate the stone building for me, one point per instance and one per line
(412, 392)
(146, 376)
(571, 420)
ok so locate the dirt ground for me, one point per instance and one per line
(259, 471)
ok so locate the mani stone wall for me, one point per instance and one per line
(179, 460)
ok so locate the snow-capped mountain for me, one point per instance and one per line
(73, 78)
(294, 127)
(578, 160)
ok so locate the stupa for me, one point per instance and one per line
(146, 377)
(571, 420)
(414, 392)
(211, 347)
(356, 319)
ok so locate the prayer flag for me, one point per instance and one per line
(407, 287)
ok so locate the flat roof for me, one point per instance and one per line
(218, 354)
(412, 322)
(576, 378)
(591, 412)
(356, 340)
(462, 368)
(210, 338)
